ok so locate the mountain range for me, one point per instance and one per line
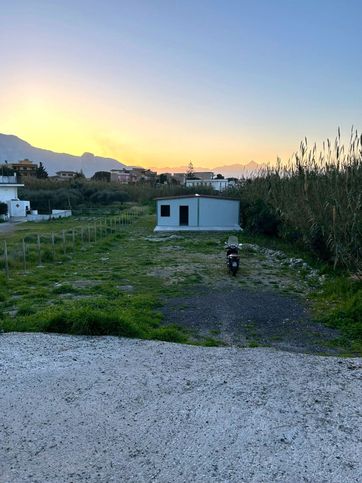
(14, 149)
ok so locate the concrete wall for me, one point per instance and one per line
(203, 213)
(174, 218)
(8, 193)
(18, 208)
(213, 212)
(55, 214)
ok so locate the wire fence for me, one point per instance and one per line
(36, 250)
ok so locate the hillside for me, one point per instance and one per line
(13, 149)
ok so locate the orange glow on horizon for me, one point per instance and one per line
(63, 120)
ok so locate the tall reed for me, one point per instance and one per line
(317, 197)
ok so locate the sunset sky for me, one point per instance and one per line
(160, 83)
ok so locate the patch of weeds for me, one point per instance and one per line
(276, 338)
(64, 288)
(339, 305)
(26, 310)
(215, 331)
(171, 333)
(211, 342)
(253, 343)
(193, 279)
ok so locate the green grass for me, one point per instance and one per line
(82, 293)
(339, 305)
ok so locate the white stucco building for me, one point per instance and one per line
(9, 195)
(197, 213)
(215, 183)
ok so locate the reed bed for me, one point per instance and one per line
(314, 199)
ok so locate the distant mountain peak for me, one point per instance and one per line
(13, 149)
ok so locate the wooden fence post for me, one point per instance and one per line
(24, 255)
(64, 247)
(53, 246)
(6, 260)
(39, 252)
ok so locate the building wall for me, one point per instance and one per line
(8, 193)
(213, 212)
(174, 218)
(216, 184)
(18, 208)
(203, 212)
(204, 174)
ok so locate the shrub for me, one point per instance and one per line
(261, 218)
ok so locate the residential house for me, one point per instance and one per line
(24, 168)
(9, 195)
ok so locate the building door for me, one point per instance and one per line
(184, 215)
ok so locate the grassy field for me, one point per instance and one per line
(117, 284)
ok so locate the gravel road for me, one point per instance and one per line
(77, 409)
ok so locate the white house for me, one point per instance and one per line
(197, 213)
(9, 195)
(216, 184)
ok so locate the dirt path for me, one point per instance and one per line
(244, 317)
(76, 409)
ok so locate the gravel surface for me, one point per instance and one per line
(239, 316)
(77, 409)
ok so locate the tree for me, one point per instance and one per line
(6, 170)
(163, 178)
(190, 171)
(79, 175)
(219, 176)
(41, 172)
(102, 176)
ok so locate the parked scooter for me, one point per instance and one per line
(232, 254)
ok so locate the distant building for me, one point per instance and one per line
(122, 176)
(142, 174)
(9, 195)
(180, 177)
(203, 174)
(24, 168)
(216, 184)
(133, 175)
(64, 176)
(197, 213)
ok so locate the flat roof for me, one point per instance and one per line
(196, 196)
(11, 185)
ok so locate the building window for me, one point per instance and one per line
(165, 210)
